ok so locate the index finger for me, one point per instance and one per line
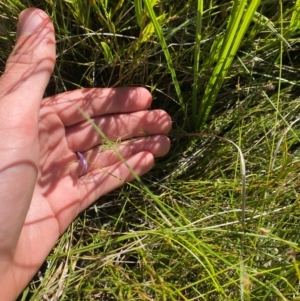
(97, 102)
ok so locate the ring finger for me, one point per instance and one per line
(104, 156)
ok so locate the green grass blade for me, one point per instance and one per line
(197, 56)
(240, 19)
(295, 20)
(139, 12)
(166, 52)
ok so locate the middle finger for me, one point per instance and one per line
(83, 136)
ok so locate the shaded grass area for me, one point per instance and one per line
(178, 234)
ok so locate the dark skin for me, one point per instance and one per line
(43, 185)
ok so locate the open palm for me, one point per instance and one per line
(43, 184)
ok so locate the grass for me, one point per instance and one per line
(227, 69)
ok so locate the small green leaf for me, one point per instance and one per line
(107, 52)
(149, 29)
(147, 32)
(152, 2)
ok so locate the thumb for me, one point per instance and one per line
(22, 86)
(28, 68)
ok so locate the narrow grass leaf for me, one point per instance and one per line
(295, 20)
(139, 13)
(197, 56)
(163, 43)
(265, 21)
(241, 16)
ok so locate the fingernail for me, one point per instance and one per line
(30, 22)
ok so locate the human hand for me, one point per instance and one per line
(43, 186)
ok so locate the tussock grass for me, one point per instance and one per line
(221, 68)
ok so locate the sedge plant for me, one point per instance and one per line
(221, 69)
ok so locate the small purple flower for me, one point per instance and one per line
(82, 160)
